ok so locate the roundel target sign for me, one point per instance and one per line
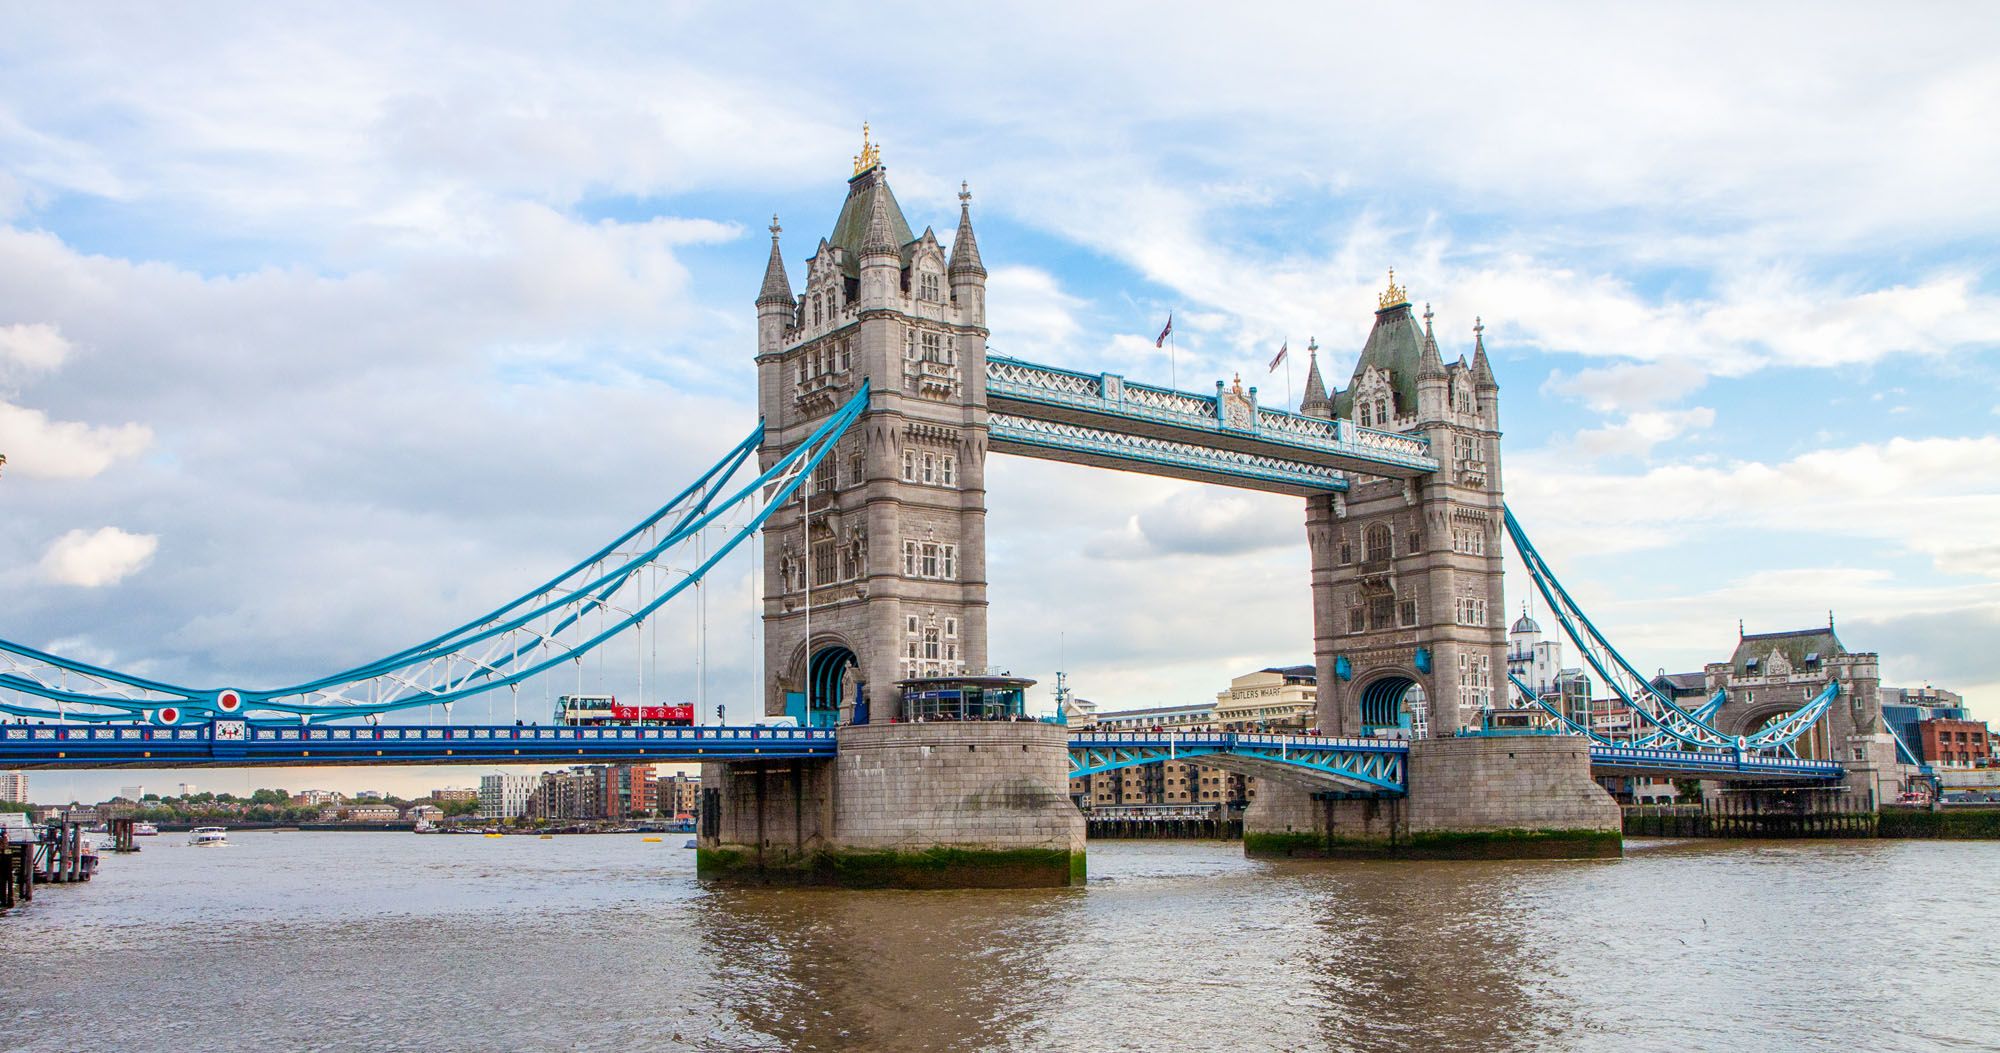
(229, 701)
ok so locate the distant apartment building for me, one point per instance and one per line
(627, 790)
(506, 796)
(429, 813)
(1953, 743)
(575, 793)
(452, 794)
(678, 794)
(14, 786)
(1276, 699)
(317, 798)
(132, 793)
(1905, 709)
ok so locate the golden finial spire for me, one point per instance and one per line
(1394, 296)
(870, 155)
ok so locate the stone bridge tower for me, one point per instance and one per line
(1407, 604)
(883, 552)
(1771, 675)
(875, 572)
(1408, 630)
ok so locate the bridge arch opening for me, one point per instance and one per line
(1390, 702)
(830, 677)
(1805, 747)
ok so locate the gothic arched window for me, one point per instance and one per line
(1380, 543)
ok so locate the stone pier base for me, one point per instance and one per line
(1476, 797)
(946, 805)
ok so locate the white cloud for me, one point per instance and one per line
(1204, 521)
(91, 559)
(1927, 496)
(1032, 317)
(37, 348)
(1627, 386)
(1638, 433)
(38, 446)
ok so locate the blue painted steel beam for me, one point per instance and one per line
(1379, 765)
(1723, 765)
(1108, 448)
(232, 744)
(1372, 765)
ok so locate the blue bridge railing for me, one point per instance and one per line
(225, 743)
(1734, 764)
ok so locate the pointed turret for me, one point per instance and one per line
(1482, 370)
(964, 247)
(1433, 382)
(881, 236)
(775, 305)
(1432, 364)
(1315, 404)
(777, 286)
(967, 273)
(881, 253)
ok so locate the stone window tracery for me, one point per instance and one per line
(1380, 543)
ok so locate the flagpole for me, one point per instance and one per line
(1290, 406)
(1173, 356)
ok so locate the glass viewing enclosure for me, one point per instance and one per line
(964, 698)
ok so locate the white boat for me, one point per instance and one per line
(145, 830)
(208, 835)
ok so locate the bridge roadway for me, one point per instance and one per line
(1373, 767)
(232, 744)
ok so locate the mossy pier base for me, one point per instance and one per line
(932, 868)
(1475, 797)
(921, 806)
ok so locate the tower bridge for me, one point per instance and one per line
(903, 761)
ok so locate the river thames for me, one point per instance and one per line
(337, 941)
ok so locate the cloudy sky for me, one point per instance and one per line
(319, 331)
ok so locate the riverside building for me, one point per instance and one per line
(505, 796)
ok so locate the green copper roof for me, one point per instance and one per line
(1394, 345)
(851, 229)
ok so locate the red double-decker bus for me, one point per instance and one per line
(602, 710)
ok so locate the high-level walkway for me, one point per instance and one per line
(1105, 420)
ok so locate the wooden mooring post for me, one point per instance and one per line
(121, 835)
(17, 871)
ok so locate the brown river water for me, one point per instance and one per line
(336, 941)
